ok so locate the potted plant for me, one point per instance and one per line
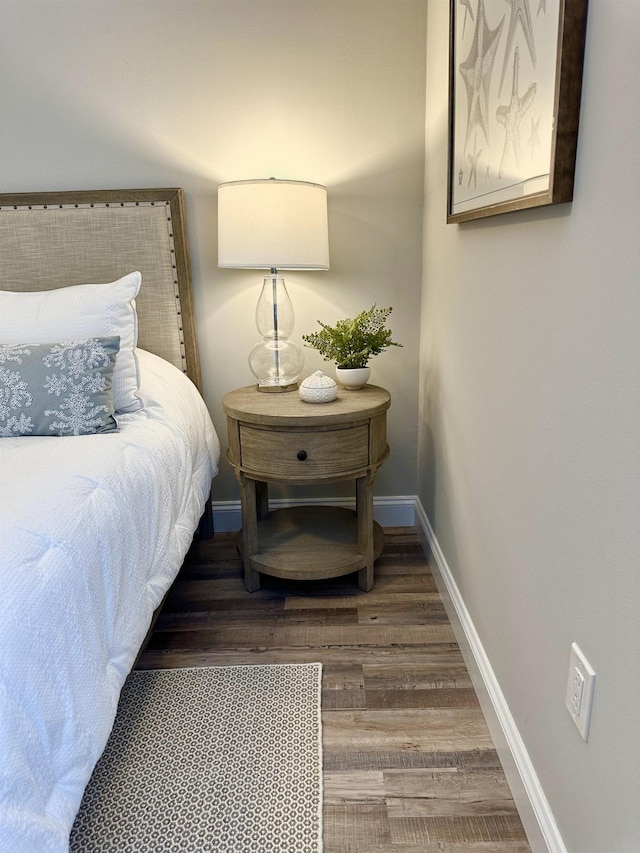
(352, 342)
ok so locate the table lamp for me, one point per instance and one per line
(275, 225)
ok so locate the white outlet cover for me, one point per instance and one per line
(581, 683)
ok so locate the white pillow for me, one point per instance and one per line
(79, 312)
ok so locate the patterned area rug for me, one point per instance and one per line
(221, 759)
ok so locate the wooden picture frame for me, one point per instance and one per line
(515, 78)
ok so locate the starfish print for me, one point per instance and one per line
(534, 139)
(473, 160)
(519, 13)
(468, 11)
(512, 115)
(476, 72)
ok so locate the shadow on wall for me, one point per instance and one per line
(434, 487)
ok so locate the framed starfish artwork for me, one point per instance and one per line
(515, 76)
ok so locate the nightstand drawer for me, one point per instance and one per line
(303, 454)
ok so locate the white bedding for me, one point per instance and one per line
(80, 577)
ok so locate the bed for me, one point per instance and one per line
(101, 490)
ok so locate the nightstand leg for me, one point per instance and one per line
(249, 531)
(364, 510)
(262, 499)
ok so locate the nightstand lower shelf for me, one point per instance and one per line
(310, 543)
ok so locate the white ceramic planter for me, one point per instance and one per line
(353, 378)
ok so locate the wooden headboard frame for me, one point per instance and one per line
(50, 240)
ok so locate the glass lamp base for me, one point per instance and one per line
(268, 386)
(276, 364)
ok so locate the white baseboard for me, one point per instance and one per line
(392, 511)
(538, 821)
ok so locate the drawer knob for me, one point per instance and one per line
(302, 455)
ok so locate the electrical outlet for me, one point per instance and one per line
(580, 688)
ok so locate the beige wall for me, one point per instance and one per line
(529, 463)
(191, 93)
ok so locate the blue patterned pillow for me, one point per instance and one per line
(58, 389)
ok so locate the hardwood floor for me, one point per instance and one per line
(409, 765)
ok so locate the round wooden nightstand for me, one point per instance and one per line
(279, 438)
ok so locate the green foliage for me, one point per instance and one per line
(351, 343)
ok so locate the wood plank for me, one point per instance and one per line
(185, 620)
(346, 676)
(364, 786)
(276, 636)
(411, 613)
(388, 565)
(160, 656)
(356, 598)
(486, 828)
(438, 847)
(340, 700)
(383, 635)
(404, 582)
(425, 729)
(432, 698)
(355, 826)
(256, 608)
(439, 670)
(407, 760)
(425, 793)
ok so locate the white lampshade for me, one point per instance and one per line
(273, 224)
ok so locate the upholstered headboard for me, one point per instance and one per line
(51, 240)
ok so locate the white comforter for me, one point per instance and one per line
(93, 529)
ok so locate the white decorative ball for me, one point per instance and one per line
(318, 388)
